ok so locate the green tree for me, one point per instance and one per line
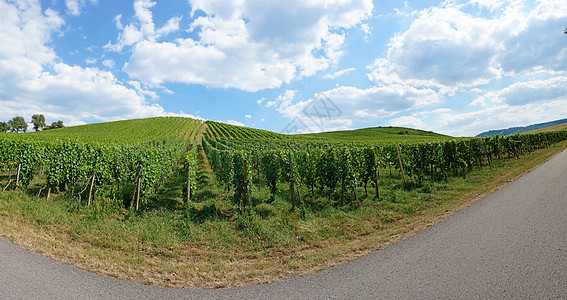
(4, 127)
(54, 125)
(18, 123)
(38, 121)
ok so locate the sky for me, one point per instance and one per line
(453, 67)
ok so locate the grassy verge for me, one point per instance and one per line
(208, 245)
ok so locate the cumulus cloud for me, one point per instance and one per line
(443, 47)
(447, 47)
(471, 123)
(142, 28)
(242, 44)
(341, 107)
(32, 78)
(510, 54)
(533, 91)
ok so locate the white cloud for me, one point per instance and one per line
(367, 31)
(449, 48)
(242, 44)
(339, 108)
(142, 28)
(91, 60)
(444, 47)
(533, 91)
(233, 122)
(108, 63)
(248, 116)
(407, 121)
(142, 91)
(172, 25)
(494, 117)
(338, 73)
(74, 6)
(33, 80)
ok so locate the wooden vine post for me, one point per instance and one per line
(188, 183)
(432, 158)
(376, 175)
(401, 166)
(245, 193)
(291, 184)
(292, 191)
(18, 175)
(258, 169)
(138, 186)
(91, 190)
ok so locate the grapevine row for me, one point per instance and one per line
(73, 163)
(347, 167)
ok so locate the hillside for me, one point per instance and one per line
(140, 130)
(514, 130)
(384, 134)
(218, 130)
(121, 132)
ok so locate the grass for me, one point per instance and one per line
(548, 129)
(208, 244)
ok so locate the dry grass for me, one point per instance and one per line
(201, 263)
(548, 129)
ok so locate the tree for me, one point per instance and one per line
(38, 121)
(18, 123)
(4, 127)
(54, 125)
(565, 30)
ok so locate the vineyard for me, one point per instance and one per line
(210, 192)
(143, 153)
(337, 169)
(102, 158)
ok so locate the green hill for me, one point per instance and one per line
(382, 134)
(121, 132)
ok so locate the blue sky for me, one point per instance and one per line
(455, 67)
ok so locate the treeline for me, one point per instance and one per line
(19, 124)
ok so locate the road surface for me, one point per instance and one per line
(511, 244)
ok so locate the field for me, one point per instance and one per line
(550, 128)
(185, 203)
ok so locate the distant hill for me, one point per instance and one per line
(376, 134)
(514, 130)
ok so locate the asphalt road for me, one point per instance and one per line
(510, 245)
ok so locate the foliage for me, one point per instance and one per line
(18, 123)
(38, 121)
(54, 125)
(4, 127)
